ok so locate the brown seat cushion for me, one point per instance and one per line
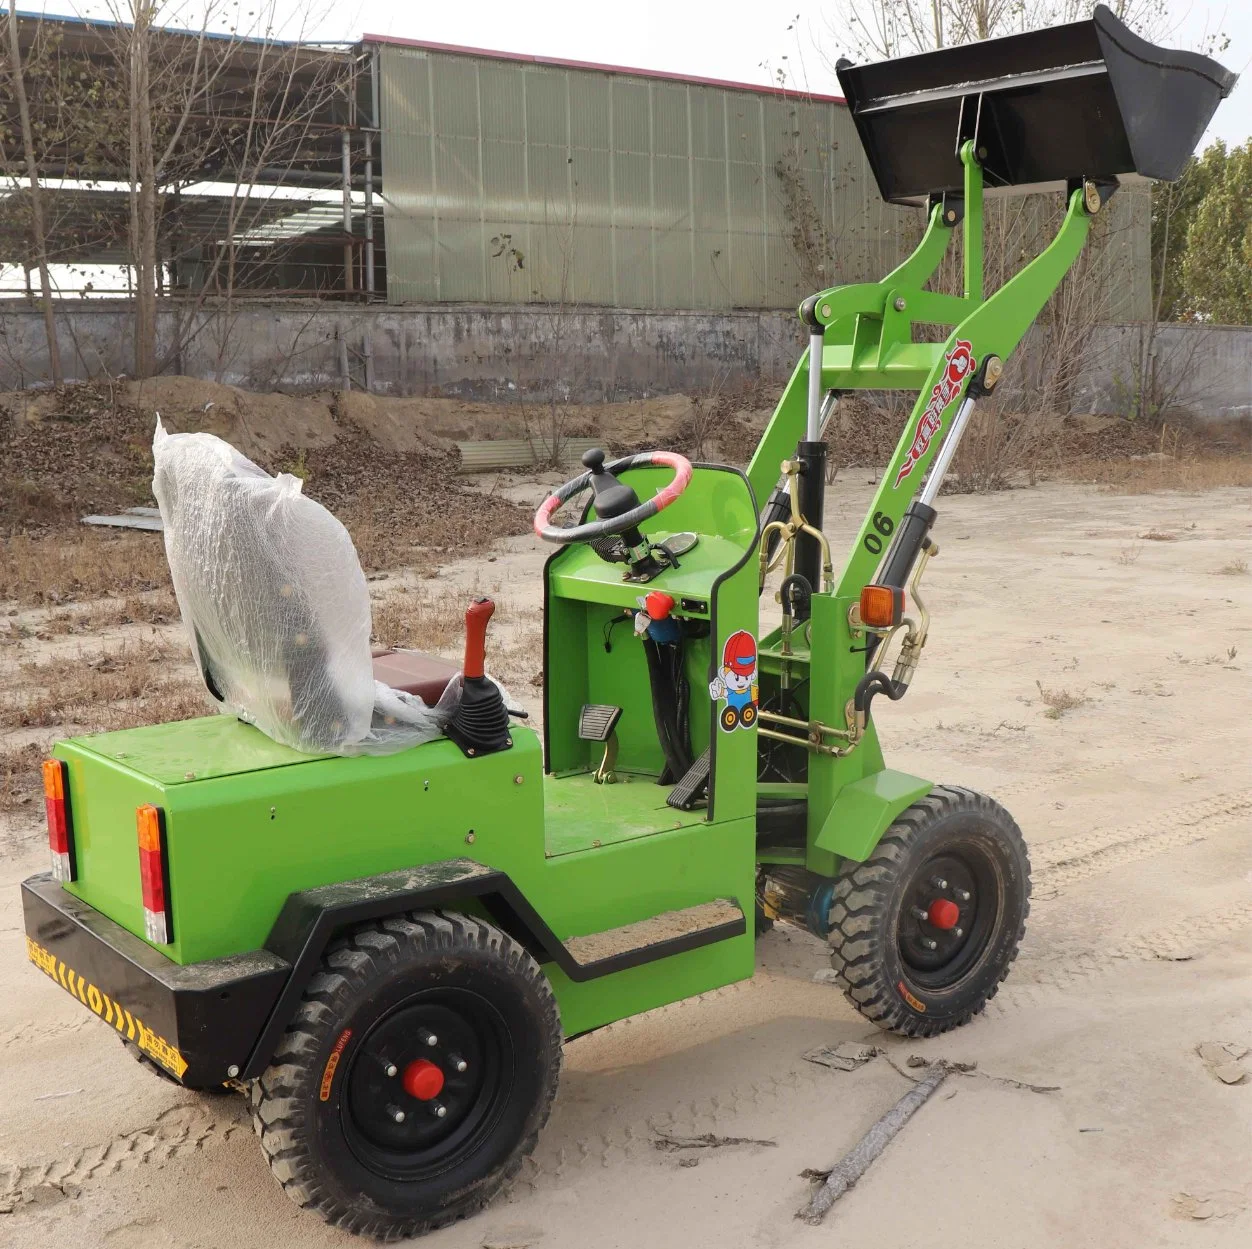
(414, 673)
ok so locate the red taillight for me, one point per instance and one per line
(60, 841)
(153, 874)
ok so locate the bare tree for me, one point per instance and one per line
(163, 94)
(881, 29)
(228, 101)
(35, 191)
(293, 89)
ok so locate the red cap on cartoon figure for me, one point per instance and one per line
(739, 653)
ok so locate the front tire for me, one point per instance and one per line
(414, 1078)
(923, 932)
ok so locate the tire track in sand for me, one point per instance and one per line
(1062, 863)
(1041, 782)
(176, 1132)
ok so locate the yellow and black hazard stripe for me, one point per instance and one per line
(127, 1025)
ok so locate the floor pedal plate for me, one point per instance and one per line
(690, 789)
(671, 932)
(596, 721)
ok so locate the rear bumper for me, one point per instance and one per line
(197, 1020)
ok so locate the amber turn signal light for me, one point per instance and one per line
(882, 606)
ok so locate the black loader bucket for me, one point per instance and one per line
(1086, 100)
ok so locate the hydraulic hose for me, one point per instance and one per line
(668, 699)
(795, 594)
(876, 683)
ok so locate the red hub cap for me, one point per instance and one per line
(943, 913)
(423, 1080)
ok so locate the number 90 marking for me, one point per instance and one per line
(884, 525)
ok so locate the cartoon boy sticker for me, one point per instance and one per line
(737, 683)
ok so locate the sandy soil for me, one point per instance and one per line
(1137, 804)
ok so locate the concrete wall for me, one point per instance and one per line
(469, 352)
(497, 353)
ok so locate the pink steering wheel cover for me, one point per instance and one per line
(544, 515)
(682, 477)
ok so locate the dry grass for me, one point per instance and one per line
(58, 569)
(1129, 554)
(156, 608)
(421, 619)
(116, 688)
(1058, 701)
(178, 699)
(1236, 568)
(19, 776)
(1148, 474)
(433, 619)
(1158, 535)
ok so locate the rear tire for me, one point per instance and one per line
(346, 1132)
(923, 976)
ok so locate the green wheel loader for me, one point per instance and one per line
(386, 953)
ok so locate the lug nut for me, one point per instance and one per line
(457, 1063)
(962, 894)
(438, 1109)
(958, 932)
(396, 1113)
(929, 944)
(390, 1070)
(920, 912)
(939, 882)
(427, 1037)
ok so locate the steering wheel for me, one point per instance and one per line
(618, 508)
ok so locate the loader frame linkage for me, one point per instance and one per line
(863, 337)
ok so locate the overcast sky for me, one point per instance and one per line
(739, 39)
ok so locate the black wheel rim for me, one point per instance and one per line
(401, 1136)
(938, 955)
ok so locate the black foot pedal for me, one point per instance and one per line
(692, 787)
(596, 722)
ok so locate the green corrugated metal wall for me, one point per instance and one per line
(512, 182)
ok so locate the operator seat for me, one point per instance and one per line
(414, 672)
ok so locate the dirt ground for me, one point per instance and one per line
(1089, 666)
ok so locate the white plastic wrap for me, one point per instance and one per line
(276, 605)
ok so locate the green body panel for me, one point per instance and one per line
(103, 795)
(239, 844)
(213, 747)
(865, 810)
(579, 813)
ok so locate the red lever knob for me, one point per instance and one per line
(476, 617)
(658, 604)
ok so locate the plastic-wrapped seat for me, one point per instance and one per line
(278, 611)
